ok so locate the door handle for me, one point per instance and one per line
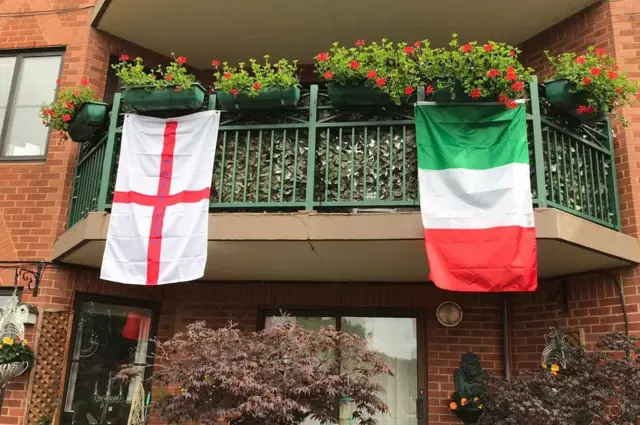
(420, 405)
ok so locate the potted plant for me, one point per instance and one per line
(75, 113)
(16, 357)
(466, 407)
(161, 90)
(369, 74)
(263, 86)
(470, 381)
(473, 72)
(589, 86)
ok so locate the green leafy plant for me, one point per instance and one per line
(14, 350)
(175, 75)
(491, 70)
(60, 113)
(599, 77)
(466, 406)
(388, 67)
(257, 79)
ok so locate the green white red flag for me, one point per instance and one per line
(475, 197)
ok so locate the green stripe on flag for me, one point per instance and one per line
(470, 136)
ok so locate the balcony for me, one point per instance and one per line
(317, 193)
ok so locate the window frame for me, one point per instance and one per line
(419, 314)
(20, 55)
(83, 297)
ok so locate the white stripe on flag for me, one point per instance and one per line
(476, 199)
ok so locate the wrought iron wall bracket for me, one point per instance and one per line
(27, 274)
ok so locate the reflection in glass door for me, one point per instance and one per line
(395, 338)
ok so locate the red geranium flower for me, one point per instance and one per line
(492, 73)
(488, 48)
(215, 63)
(582, 109)
(619, 90)
(227, 75)
(600, 52)
(49, 112)
(503, 98)
(181, 60)
(476, 93)
(512, 53)
(372, 74)
(234, 92)
(354, 65)
(169, 78)
(58, 81)
(381, 81)
(417, 43)
(467, 48)
(84, 82)
(612, 75)
(408, 50)
(511, 76)
(322, 57)
(68, 105)
(511, 70)
(638, 95)
(511, 104)
(124, 58)
(580, 60)
(257, 85)
(66, 118)
(428, 91)
(360, 43)
(44, 122)
(587, 80)
(328, 75)
(517, 86)
(408, 90)
(595, 71)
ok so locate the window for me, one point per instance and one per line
(107, 336)
(395, 339)
(27, 80)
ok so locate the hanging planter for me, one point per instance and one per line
(261, 86)
(589, 86)
(76, 114)
(375, 74)
(356, 95)
(170, 98)
(275, 97)
(162, 90)
(565, 96)
(10, 371)
(88, 121)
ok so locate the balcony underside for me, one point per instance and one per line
(238, 30)
(355, 247)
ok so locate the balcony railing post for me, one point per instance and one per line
(107, 163)
(541, 189)
(311, 158)
(613, 180)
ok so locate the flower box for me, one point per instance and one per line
(356, 95)
(88, 121)
(453, 91)
(152, 99)
(563, 96)
(272, 98)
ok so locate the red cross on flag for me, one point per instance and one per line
(159, 215)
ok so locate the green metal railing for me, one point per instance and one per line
(319, 158)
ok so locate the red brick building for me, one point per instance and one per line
(328, 262)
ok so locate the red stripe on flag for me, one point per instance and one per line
(164, 187)
(499, 259)
(153, 201)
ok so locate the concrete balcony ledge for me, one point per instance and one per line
(355, 247)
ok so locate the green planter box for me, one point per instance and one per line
(453, 92)
(150, 99)
(563, 96)
(267, 99)
(87, 122)
(356, 95)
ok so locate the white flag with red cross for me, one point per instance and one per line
(159, 216)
